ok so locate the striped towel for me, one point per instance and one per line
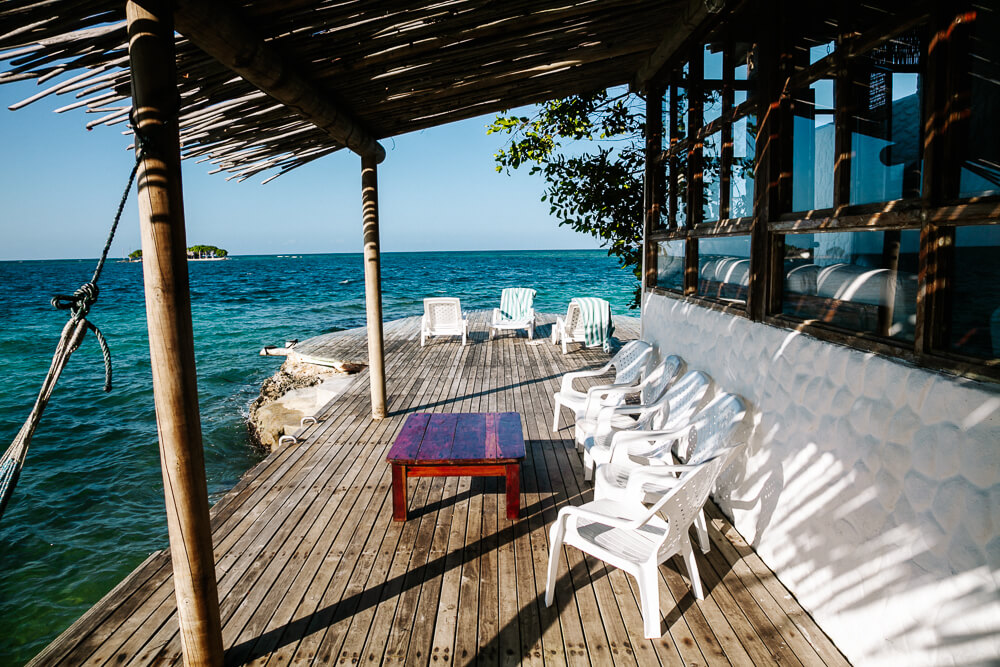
(595, 315)
(516, 303)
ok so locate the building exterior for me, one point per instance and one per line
(822, 239)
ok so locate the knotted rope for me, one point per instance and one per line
(79, 304)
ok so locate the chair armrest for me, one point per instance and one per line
(567, 380)
(624, 439)
(582, 512)
(664, 475)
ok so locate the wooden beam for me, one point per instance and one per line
(652, 185)
(373, 284)
(171, 338)
(219, 30)
(680, 27)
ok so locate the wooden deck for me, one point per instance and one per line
(312, 570)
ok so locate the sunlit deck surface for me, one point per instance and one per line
(312, 570)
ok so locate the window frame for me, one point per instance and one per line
(936, 213)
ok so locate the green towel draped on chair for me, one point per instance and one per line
(595, 315)
(516, 302)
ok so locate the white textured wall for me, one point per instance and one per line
(871, 487)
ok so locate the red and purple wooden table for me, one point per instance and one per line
(483, 444)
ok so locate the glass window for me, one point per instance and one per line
(981, 164)
(724, 268)
(819, 51)
(975, 312)
(711, 175)
(863, 281)
(886, 125)
(713, 96)
(813, 154)
(670, 265)
(677, 190)
(665, 117)
(741, 178)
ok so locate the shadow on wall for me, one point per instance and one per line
(869, 486)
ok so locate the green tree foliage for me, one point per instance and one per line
(208, 250)
(135, 254)
(589, 150)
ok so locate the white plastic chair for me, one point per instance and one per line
(630, 364)
(628, 535)
(569, 329)
(443, 317)
(713, 431)
(649, 391)
(674, 410)
(522, 320)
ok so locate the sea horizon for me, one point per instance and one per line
(115, 258)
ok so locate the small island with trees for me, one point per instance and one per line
(195, 252)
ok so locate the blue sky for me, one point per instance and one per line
(60, 185)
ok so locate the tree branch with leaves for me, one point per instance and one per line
(589, 150)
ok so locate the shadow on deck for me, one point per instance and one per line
(312, 570)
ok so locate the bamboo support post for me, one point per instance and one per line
(171, 341)
(373, 284)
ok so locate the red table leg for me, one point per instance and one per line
(513, 486)
(398, 492)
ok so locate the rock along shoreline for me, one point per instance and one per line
(299, 389)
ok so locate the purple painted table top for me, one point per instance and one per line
(479, 437)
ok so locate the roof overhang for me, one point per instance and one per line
(273, 85)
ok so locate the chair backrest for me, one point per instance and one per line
(679, 403)
(442, 311)
(715, 428)
(574, 319)
(658, 379)
(516, 302)
(683, 503)
(631, 361)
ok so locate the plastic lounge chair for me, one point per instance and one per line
(568, 329)
(713, 431)
(516, 311)
(649, 391)
(629, 363)
(573, 328)
(443, 317)
(675, 409)
(628, 535)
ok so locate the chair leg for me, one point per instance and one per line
(692, 566)
(701, 526)
(565, 350)
(649, 601)
(555, 415)
(588, 467)
(555, 540)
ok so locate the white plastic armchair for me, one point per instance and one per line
(524, 319)
(630, 364)
(628, 535)
(569, 329)
(443, 317)
(714, 431)
(648, 392)
(674, 410)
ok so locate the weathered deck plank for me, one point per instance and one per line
(312, 570)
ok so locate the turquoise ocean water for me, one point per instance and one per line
(89, 506)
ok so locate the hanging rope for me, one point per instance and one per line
(78, 304)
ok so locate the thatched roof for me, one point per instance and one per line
(388, 67)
